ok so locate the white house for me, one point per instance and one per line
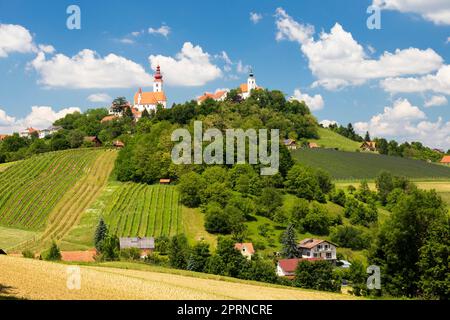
(28, 132)
(49, 131)
(246, 249)
(317, 248)
(150, 100)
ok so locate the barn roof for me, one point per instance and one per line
(137, 242)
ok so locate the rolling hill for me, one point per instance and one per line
(330, 139)
(361, 165)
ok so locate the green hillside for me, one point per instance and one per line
(360, 165)
(32, 188)
(330, 139)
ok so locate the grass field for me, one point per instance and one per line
(330, 139)
(35, 279)
(10, 237)
(361, 165)
(130, 209)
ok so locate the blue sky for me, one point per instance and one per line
(349, 74)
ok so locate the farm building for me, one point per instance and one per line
(445, 160)
(368, 146)
(290, 144)
(313, 145)
(317, 248)
(287, 267)
(246, 249)
(146, 245)
(95, 141)
(165, 181)
(78, 256)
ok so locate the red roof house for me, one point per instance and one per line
(445, 160)
(287, 267)
(246, 249)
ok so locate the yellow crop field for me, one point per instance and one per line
(35, 279)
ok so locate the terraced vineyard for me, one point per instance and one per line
(31, 189)
(144, 210)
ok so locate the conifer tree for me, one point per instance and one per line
(289, 242)
(101, 232)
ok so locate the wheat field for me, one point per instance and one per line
(35, 279)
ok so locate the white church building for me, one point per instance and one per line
(150, 100)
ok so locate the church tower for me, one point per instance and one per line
(158, 83)
(251, 81)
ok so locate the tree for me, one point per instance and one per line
(317, 275)
(382, 146)
(269, 201)
(317, 221)
(399, 242)
(358, 278)
(75, 138)
(119, 104)
(178, 251)
(162, 244)
(53, 254)
(110, 248)
(145, 114)
(434, 263)
(298, 212)
(350, 237)
(233, 261)
(190, 187)
(289, 242)
(338, 197)
(302, 181)
(198, 257)
(367, 137)
(385, 185)
(101, 232)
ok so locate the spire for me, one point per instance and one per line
(140, 90)
(158, 75)
(250, 73)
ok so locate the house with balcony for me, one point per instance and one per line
(317, 248)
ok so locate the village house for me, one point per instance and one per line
(219, 95)
(369, 146)
(291, 144)
(49, 131)
(146, 245)
(445, 160)
(313, 145)
(93, 140)
(3, 136)
(287, 267)
(28, 132)
(165, 181)
(246, 249)
(317, 248)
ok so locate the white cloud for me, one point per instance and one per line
(436, 101)
(15, 38)
(99, 97)
(191, 67)
(255, 17)
(437, 11)
(326, 123)
(241, 68)
(313, 102)
(88, 70)
(40, 117)
(337, 60)
(163, 30)
(405, 122)
(126, 41)
(439, 83)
